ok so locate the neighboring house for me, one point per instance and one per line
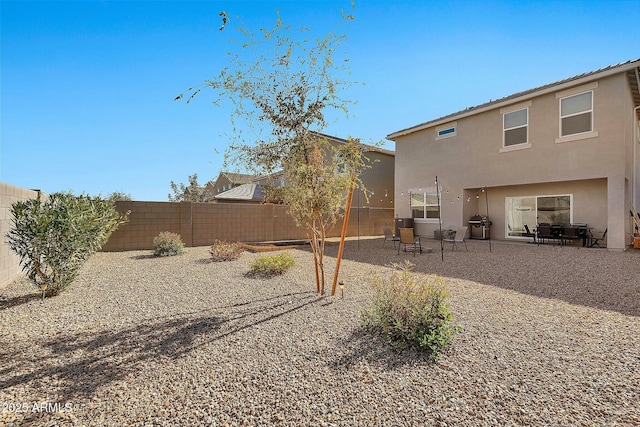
(226, 181)
(252, 191)
(564, 152)
(378, 180)
(245, 193)
(202, 194)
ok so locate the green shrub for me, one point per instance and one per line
(55, 236)
(272, 265)
(410, 312)
(167, 244)
(225, 251)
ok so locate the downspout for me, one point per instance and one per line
(636, 141)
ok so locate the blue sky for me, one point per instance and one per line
(87, 87)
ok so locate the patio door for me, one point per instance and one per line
(532, 210)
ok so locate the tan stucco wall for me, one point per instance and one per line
(9, 261)
(473, 159)
(378, 179)
(589, 199)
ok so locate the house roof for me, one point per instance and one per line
(630, 67)
(247, 192)
(366, 147)
(238, 178)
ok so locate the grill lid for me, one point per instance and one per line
(480, 219)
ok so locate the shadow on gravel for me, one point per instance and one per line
(150, 256)
(9, 302)
(75, 365)
(364, 345)
(597, 278)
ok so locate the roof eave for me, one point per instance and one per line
(524, 97)
(366, 147)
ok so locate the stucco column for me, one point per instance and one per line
(617, 213)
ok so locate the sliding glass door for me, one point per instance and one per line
(532, 210)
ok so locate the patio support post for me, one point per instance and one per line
(440, 219)
(486, 200)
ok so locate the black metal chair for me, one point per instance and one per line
(556, 232)
(595, 241)
(544, 232)
(530, 234)
(570, 233)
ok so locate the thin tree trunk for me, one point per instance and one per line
(343, 235)
(321, 245)
(318, 256)
(314, 246)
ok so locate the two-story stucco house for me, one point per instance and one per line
(377, 179)
(566, 152)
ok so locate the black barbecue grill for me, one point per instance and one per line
(480, 226)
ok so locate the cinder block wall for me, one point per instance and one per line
(200, 224)
(146, 221)
(9, 261)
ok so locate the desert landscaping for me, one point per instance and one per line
(549, 336)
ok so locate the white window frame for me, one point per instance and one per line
(448, 130)
(588, 110)
(509, 110)
(535, 212)
(431, 192)
(560, 96)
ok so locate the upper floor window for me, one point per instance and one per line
(576, 114)
(515, 125)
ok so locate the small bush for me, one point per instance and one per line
(225, 251)
(272, 265)
(411, 312)
(167, 244)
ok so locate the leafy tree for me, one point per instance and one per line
(189, 193)
(282, 86)
(55, 236)
(119, 196)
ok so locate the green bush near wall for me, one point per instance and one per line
(54, 237)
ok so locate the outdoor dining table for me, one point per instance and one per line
(561, 233)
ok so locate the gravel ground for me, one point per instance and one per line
(551, 337)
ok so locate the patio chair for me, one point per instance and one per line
(388, 235)
(544, 232)
(569, 233)
(408, 241)
(595, 241)
(458, 237)
(529, 233)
